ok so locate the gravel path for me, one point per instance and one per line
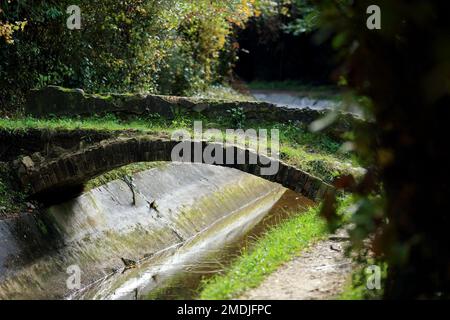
(321, 272)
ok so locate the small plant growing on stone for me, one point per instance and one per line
(237, 116)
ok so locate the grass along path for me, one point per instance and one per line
(319, 273)
(277, 246)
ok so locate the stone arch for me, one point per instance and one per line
(75, 168)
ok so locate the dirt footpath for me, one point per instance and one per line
(321, 272)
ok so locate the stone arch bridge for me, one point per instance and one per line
(73, 169)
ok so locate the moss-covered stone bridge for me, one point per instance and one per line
(72, 169)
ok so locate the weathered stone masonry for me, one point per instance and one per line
(75, 168)
(59, 101)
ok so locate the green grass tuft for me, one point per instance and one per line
(277, 246)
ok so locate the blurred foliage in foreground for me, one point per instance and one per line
(404, 68)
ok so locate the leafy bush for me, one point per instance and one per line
(171, 46)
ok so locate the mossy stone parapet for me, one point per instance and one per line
(58, 101)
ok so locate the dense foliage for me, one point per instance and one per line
(164, 46)
(292, 16)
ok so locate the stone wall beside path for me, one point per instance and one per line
(62, 102)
